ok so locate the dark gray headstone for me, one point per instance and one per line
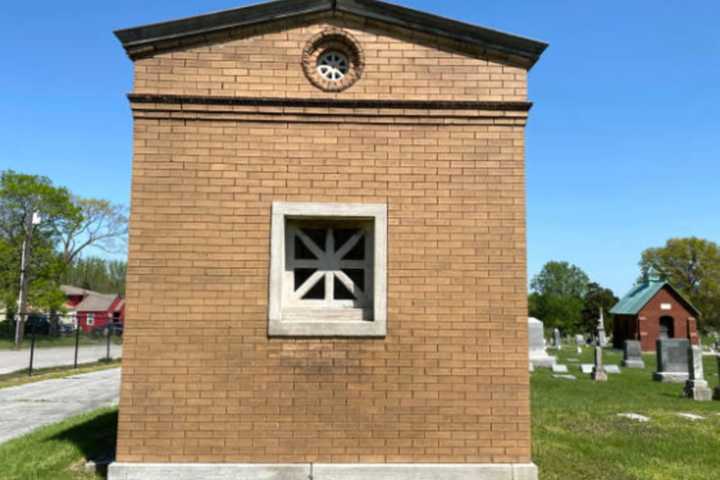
(632, 357)
(672, 360)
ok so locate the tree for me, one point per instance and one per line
(105, 276)
(692, 265)
(596, 298)
(560, 279)
(21, 198)
(557, 311)
(558, 295)
(100, 224)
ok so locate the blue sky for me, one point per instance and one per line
(622, 143)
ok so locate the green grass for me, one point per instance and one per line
(576, 431)
(58, 452)
(578, 435)
(21, 378)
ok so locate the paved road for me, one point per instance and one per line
(14, 360)
(27, 407)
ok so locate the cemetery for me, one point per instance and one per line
(629, 427)
(327, 272)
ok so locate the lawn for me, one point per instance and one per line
(57, 452)
(578, 435)
(576, 431)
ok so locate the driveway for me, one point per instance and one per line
(27, 407)
(14, 360)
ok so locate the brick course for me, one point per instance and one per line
(202, 382)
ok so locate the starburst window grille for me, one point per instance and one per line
(328, 272)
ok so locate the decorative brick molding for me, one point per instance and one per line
(333, 39)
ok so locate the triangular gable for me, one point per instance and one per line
(148, 39)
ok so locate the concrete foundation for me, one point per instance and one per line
(150, 471)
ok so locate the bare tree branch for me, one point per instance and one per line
(102, 225)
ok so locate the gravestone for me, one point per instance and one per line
(602, 338)
(614, 369)
(536, 339)
(632, 357)
(557, 368)
(634, 416)
(579, 342)
(586, 368)
(717, 389)
(557, 341)
(696, 387)
(672, 360)
(598, 373)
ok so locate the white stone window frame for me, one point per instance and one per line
(287, 319)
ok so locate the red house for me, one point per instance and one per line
(652, 310)
(92, 310)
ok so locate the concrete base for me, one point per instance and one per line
(698, 390)
(152, 471)
(633, 364)
(599, 375)
(543, 362)
(670, 377)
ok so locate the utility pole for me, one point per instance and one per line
(31, 219)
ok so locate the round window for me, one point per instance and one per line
(332, 60)
(333, 65)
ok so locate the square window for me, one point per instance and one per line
(328, 270)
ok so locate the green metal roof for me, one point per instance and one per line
(640, 295)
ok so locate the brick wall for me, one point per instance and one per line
(267, 64)
(201, 380)
(652, 312)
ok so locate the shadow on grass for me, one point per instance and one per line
(95, 438)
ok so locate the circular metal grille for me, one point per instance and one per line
(333, 66)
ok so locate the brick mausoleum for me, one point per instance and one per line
(653, 309)
(327, 274)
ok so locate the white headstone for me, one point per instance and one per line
(696, 386)
(635, 416)
(536, 339)
(557, 368)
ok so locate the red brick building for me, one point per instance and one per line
(327, 261)
(652, 310)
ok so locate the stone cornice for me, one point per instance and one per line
(511, 106)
